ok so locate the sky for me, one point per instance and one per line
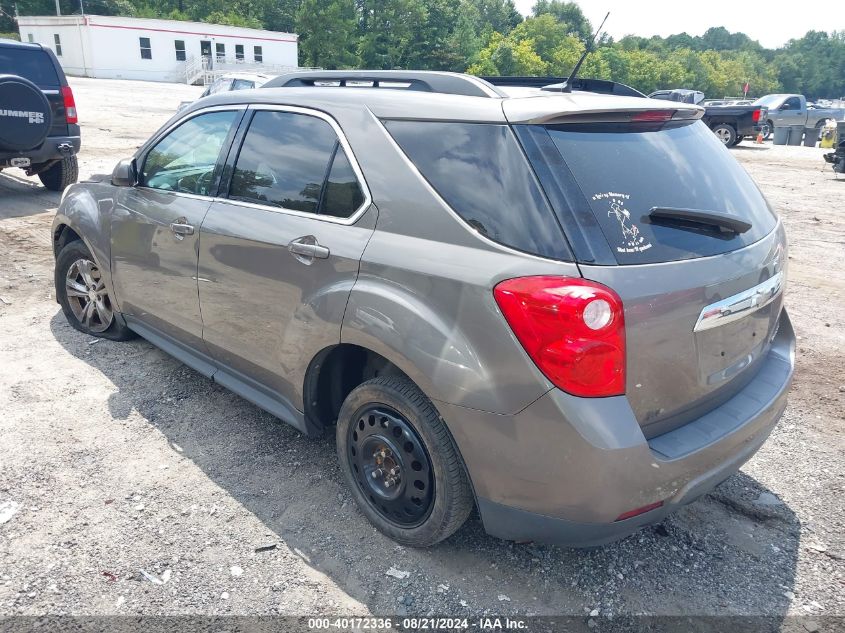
(666, 17)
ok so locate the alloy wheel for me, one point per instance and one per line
(87, 296)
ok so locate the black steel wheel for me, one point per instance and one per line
(392, 467)
(400, 462)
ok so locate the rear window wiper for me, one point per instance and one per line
(716, 220)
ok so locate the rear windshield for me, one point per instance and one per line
(29, 63)
(623, 171)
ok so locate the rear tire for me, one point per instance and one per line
(81, 291)
(726, 134)
(401, 464)
(61, 175)
(768, 130)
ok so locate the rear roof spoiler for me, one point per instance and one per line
(554, 84)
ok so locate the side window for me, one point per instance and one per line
(146, 48)
(221, 85)
(342, 194)
(186, 159)
(295, 161)
(480, 171)
(794, 103)
(243, 84)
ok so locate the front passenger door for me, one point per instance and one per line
(156, 226)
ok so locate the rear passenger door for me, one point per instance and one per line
(280, 249)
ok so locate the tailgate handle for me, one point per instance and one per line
(740, 305)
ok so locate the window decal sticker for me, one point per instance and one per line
(632, 241)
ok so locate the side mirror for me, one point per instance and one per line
(124, 174)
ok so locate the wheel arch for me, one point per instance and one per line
(85, 215)
(333, 373)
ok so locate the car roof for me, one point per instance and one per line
(7, 43)
(530, 105)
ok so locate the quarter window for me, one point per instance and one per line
(294, 161)
(258, 54)
(58, 41)
(186, 160)
(480, 171)
(180, 50)
(342, 194)
(146, 48)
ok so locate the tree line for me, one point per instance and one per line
(490, 37)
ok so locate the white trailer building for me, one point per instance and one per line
(112, 47)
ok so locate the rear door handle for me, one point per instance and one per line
(308, 247)
(180, 229)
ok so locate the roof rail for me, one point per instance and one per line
(422, 80)
(553, 84)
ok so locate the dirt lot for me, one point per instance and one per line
(131, 485)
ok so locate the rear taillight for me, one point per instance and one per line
(651, 116)
(755, 116)
(70, 105)
(573, 329)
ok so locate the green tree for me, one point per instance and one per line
(507, 57)
(328, 33)
(569, 14)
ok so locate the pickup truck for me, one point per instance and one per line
(731, 123)
(786, 110)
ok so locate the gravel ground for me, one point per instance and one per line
(129, 484)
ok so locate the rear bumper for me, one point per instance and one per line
(48, 150)
(562, 470)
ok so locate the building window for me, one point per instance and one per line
(180, 50)
(221, 51)
(258, 54)
(29, 37)
(58, 42)
(146, 49)
(239, 52)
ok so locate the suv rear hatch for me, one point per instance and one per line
(658, 210)
(36, 64)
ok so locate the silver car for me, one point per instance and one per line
(562, 309)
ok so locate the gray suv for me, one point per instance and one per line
(563, 309)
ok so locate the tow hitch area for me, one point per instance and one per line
(19, 162)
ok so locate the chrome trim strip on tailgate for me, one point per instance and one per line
(740, 305)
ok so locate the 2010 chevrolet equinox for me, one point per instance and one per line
(564, 308)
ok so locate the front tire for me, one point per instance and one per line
(82, 293)
(401, 464)
(61, 175)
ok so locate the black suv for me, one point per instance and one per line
(39, 131)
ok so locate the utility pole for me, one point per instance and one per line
(58, 8)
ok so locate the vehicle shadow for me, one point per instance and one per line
(733, 552)
(22, 196)
(753, 147)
